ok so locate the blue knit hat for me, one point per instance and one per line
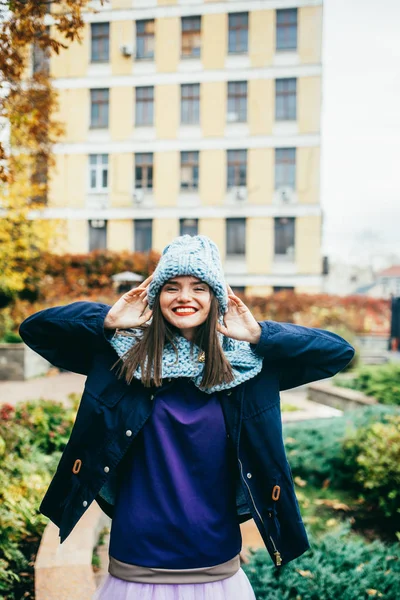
(191, 255)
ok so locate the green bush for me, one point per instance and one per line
(338, 566)
(11, 338)
(381, 382)
(372, 459)
(314, 448)
(32, 436)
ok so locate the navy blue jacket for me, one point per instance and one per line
(111, 414)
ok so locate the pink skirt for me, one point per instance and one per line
(236, 587)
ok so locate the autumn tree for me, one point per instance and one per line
(30, 31)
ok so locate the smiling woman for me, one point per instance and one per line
(184, 442)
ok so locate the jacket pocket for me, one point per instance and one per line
(109, 395)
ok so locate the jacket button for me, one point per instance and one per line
(228, 393)
(128, 433)
(84, 503)
(106, 469)
(152, 397)
(249, 475)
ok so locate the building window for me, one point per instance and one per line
(286, 29)
(145, 39)
(143, 235)
(191, 37)
(285, 167)
(238, 33)
(235, 237)
(237, 168)
(238, 289)
(98, 172)
(97, 234)
(189, 171)
(100, 42)
(284, 237)
(285, 99)
(40, 59)
(237, 102)
(282, 288)
(188, 226)
(39, 177)
(190, 104)
(144, 105)
(144, 170)
(99, 102)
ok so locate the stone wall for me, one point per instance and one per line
(18, 362)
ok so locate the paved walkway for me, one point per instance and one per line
(54, 386)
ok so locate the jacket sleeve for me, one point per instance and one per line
(67, 336)
(302, 354)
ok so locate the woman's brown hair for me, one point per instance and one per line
(148, 350)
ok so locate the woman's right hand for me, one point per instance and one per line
(130, 309)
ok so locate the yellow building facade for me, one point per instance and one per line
(195, 117)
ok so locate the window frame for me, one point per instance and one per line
(104, 231)
(284, 110)
(191, 34)
(98, 168)
(146, 37)
(280, 243)
(285, 28)
(193, 103)
(237, 95)
(236, 243)
(195, 226)
(234, 30)
(99, 38)
(286, 163)
(147, 103)
(234, 159)
(99, 102)
(192, 163)
(144, 231)
(147, 170)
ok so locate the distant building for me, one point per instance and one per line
(203, 117)
(344, 279)
(386, 284)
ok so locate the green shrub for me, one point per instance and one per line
(32, 436)
(372, 458)
(49, 422)
(11, 338)
(381, 382)
(314, 448)
(338, 566)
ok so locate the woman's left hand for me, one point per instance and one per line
(239, 323)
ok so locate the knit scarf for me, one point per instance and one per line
(244, 362)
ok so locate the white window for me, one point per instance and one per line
(98, 172)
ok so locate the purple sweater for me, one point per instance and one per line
(175, 508)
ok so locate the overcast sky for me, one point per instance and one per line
(361, 129)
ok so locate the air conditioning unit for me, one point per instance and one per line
(126, 50)
(239, 193)
(285, 195)
(138, 195)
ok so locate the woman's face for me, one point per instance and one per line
(185, 303)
